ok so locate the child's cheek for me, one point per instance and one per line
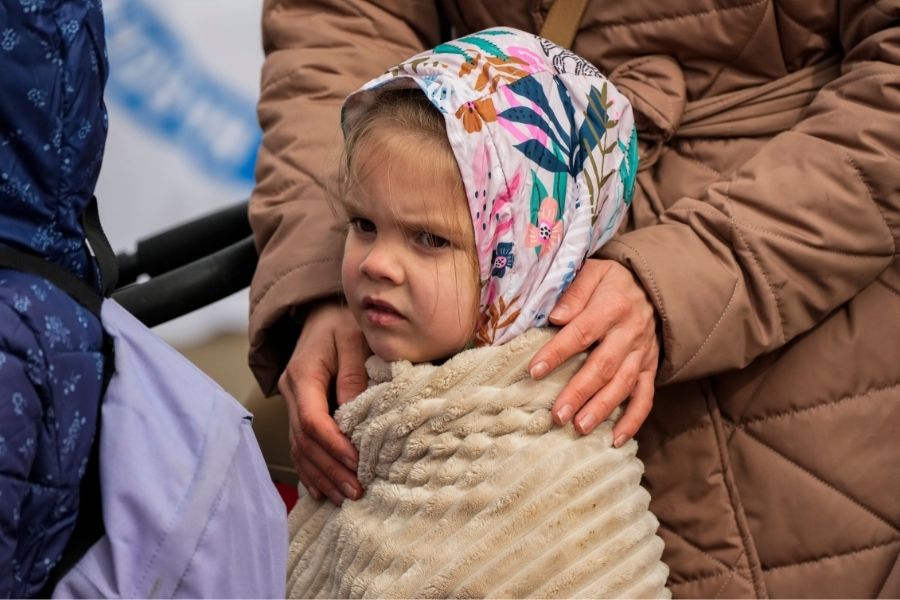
(349, 267)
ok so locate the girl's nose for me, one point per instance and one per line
(382, 263)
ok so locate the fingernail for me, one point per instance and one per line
(620, 440)
(586, 423)
(559, 312)
(349, 462)
(564, 414)
(349, 490)
(539, 370)
(314, 493)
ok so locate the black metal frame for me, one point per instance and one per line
(189, 266)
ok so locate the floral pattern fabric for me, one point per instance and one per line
(53, 125)
(52, 132)
(547, 150)
(51, 370)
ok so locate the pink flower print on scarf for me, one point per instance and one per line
(489, 215)
(532, 62)
(548, 231)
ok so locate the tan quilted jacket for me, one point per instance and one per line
(765, 228)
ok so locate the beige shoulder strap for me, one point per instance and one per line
(562, 21)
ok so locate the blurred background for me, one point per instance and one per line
(183, 136)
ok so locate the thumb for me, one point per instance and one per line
(576, 296)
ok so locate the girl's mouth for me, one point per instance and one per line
(381, 313)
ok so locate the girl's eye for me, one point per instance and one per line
(429, 240)
(362, 225)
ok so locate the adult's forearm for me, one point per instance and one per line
(798, 230)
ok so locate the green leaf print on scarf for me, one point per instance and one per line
(479, 42)
(628, 168)
(538, 193)
(486, 46)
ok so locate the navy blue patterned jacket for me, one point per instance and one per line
(52, 130)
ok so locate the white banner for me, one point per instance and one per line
(183, 134)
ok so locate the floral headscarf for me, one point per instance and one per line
(547, 150)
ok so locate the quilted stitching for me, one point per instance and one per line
(682, 16)
(783, 12)
(684, 582)
(743, 48)
(740, 519)
(821, 479)
(836, 556)
(743, 423)
(715, 567)
(887, 578)
(891, 537)
(727, 572)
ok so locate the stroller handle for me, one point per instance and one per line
(185, 243)
(191, 286)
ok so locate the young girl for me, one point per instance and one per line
(479, 176)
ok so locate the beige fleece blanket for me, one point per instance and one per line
(471, 491)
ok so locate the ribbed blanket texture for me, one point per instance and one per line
(472, 491)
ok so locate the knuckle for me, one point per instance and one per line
(603, 369)
(602, 408)
(321, 483)
(577, 293)
(302, 448)
(628, 381)
(331, 446)
(577, 393)
(299, 356)
(644, 402)
(580, 396)
(551, 354)
(307, 431)
(594, 270)
(305, 470)
(305, 465)
(351, 379)
(618, 305)
(582, 336)
(332, 472)
(645, 411)
(650, 361)
(307, 485)
(284, 385)
(608, 369)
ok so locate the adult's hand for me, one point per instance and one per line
(606, 306)
(331, 347)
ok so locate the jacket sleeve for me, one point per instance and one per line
(799, 229)
(317, 52)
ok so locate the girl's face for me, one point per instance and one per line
(407, 272)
